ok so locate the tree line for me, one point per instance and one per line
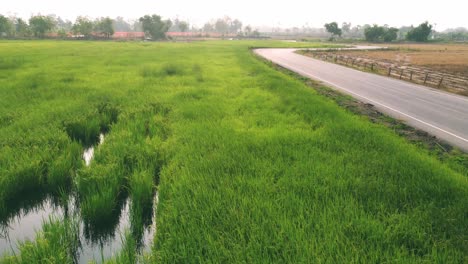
(39, 26)
(154, 27)
(384, 33)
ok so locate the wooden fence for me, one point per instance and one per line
(455, 83)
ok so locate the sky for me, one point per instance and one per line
(443, 14)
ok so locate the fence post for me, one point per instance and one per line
(411, 76)
(354, 60)
(440, 83)
(401, 73)
(372, 67)
(389, 71)
(425, 78)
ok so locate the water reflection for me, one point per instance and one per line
(88, 153)
(96, 243)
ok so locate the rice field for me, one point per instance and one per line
(210, 155)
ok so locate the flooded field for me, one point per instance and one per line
(95, 243)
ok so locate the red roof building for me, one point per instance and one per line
(128, 35)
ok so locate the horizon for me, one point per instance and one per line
(296, 14)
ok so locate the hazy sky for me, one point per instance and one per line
(284, 13)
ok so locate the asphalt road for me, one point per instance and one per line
(441, 114)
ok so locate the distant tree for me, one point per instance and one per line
(454, 34)
(155, 27)
(183, 26)
(40, 25)
(256, 33)
(420, 33)
(222, 25)
(120, 24)
(378, 34)
(136, 26)
(65, 25)
(22, 28)
(390, 34)
(248, 30)
(356, 32)
(179, 26)
(374, 33)
(62, 33)
(208, 27)
(236, 26)
(5, 26)
(105, 26)
(346, 27)
(83, 26)
(333, 29)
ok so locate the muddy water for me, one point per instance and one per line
(94, 245)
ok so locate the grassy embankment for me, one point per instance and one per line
(252, 165)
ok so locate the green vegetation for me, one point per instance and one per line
(154, 26)
(250, 164)
(420, 33)
(378, 34)
(333, 29)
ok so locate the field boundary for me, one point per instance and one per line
(420, 75)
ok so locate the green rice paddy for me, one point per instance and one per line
(249, 164)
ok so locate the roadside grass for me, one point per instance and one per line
(250, 164)
(455, 158)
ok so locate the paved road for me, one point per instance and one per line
(439, 113)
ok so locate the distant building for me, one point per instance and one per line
(128, 35)
(198, 35)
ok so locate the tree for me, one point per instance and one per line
(65, 25)
(377, 33)
(420, 33)
(248, 30)
(235, 26)
(222, 26)
(208, 27)
(256, 33)
(83, 26)
(390, 34)
(120, 24)
(346, 27)
(333, 29)
(183, 26)
(179, 26)
(374, 33)
(105, 27)
(40, 25)
(21, 28)
(155, 27)
(5, 26)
